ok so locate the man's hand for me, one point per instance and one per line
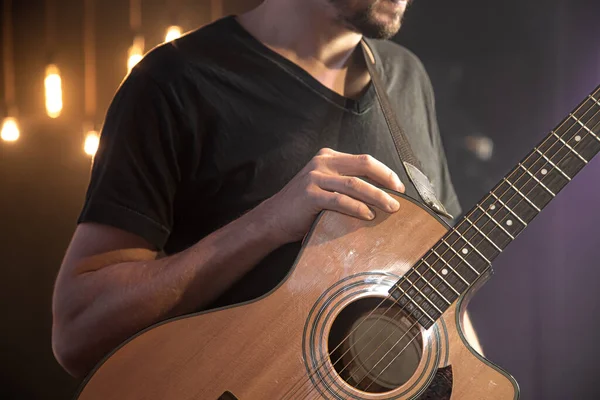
(330, 182)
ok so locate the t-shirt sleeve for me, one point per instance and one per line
(135, 172)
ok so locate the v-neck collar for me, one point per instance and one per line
(357, 106)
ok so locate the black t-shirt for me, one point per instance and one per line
(208, 126)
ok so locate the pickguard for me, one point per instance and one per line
(227, 396)
(441, 386)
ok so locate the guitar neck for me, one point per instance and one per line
(463, 255)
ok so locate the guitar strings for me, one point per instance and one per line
(325, 360)
(528, 180)
(404, 348)
(488, 198)
(502, 220)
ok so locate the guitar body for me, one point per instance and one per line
(277, 347)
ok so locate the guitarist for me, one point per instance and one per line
(219, 150)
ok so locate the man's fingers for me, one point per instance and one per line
(359, 190)
(365, 165)
(344, 204)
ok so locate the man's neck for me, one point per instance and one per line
(312, 38)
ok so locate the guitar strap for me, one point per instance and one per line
(410, 162)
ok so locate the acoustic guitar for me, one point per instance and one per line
(370, 309)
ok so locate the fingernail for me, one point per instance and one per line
(398, 183)
(371, 214)
(393, 205)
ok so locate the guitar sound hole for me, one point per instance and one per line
(380, 350)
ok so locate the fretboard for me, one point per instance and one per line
(465, 253)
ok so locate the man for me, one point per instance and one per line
(221, 148)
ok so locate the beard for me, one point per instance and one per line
(369, 20)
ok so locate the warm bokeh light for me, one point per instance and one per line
(135, 56)
(92, 140)
(10, 130)
(136, 52)
(173, 33)
(53, 87)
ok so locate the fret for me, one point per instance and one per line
(501, 237)
(570, 148)
(468, 233)
(512, 202)
(540, 168)
(405, 287)
(594, 99)
(413, 285)
(509, 210)
(588, 146)
(461, 257)
(439, 294)
(452, 279)
(447, 264)
(483, 234)
(530, 188)
(439, 282)
(459, 266)
(567, 162)
(551, 163)
(521, 194)
(570, 127)
(470, 252)
(411, 306)
(550, 177)
(585, 127)
(499, 225)
(537, 180)
(414, 294)
(498, 235)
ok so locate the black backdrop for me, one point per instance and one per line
(505, 70)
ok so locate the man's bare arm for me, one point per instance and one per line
(111, 285)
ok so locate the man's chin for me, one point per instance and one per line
(379, 31)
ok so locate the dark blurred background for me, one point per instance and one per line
(504, 73)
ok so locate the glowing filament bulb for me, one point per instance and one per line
(92, 140)
(173, 33)
(53, 86)
(135, 56)
(10, 130)
(136, 52)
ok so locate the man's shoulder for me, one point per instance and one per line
(169, 62)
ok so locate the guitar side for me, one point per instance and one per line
(264, 349)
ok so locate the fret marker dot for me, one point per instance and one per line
(577, 138)
(444, 271)
(509, 222)
(493, 207)
(544, 171)
(465, 251)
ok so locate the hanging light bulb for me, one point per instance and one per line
(91, 143)
(173, 33)
(10, 130)
(135, 56)
(53, 86)
(136, 52)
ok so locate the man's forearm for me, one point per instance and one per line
(108, 304)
